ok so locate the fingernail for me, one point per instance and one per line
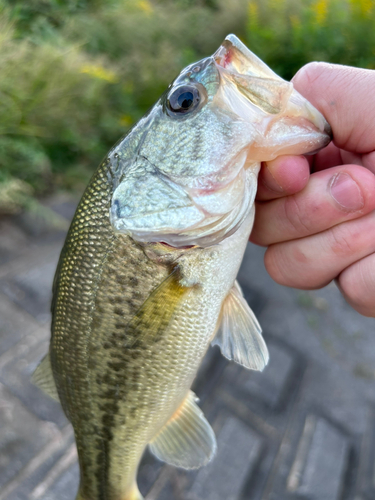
(346, 192)
(270, 182)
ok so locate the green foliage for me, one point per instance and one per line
(76, 74)
(289, 33)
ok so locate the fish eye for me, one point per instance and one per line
(183, 99)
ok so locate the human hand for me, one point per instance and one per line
(321, 227)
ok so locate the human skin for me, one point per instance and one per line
(320, 226)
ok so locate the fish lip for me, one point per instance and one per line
(328, 139)
(235, 56)
(168, 245)
(226, 54)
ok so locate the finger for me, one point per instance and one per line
(342, 94)
(366, 160)
(332, 156)
(314, 261)
(283, 176)
(357, 284)
(331, 197)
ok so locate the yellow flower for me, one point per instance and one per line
(146, 6)
(320, 9)
(366, 6)
(99, 72)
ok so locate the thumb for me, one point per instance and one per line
(345, 97)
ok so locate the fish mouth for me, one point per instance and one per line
(286, 122)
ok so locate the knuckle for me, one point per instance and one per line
(357, 284)
(288, 265)
(280, 265)
(342, 240)
(274, 264)
(296, 217)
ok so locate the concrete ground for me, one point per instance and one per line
(302, 429)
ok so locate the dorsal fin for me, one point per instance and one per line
(187, 439)
(240, 335)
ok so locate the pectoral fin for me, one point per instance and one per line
(240, 335)
(187, 440)
(43, 378)
(156, 313)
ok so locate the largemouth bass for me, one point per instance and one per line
(147, 276)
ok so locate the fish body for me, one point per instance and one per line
(146, 278)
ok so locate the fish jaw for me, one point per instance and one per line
(284, 122)
(204, 218)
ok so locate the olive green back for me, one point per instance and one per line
(101, 281)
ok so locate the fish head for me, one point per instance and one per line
(187, 173)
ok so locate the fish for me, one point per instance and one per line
(146, 280)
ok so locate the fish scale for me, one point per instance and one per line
(147, 276)
(88, 313)
(96, 333)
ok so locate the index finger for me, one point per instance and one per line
(344, 95)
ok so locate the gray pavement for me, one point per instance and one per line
(302, 429)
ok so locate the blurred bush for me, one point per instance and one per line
(290, 33)
(76, 74)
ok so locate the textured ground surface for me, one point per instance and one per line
(303, 429)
